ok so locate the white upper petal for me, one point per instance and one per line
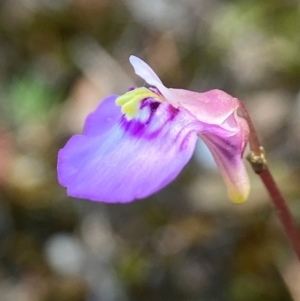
(143, 70)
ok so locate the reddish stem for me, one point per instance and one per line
(278, 200)
(282, 210)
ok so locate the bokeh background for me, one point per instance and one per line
(58, 59)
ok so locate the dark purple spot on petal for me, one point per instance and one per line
(172, 112)
(154, 106)
(134, 127)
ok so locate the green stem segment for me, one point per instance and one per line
(258, 162)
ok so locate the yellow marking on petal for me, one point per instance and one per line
(130, 102)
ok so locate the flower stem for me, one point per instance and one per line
(258, 162)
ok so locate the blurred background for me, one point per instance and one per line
(58, 59)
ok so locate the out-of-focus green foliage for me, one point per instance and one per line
(31, 99)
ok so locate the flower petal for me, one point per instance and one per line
(133, 159)
(228, 152)
(103, 118)
(213, 106)
(143, 70)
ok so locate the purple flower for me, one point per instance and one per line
(135, 144)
